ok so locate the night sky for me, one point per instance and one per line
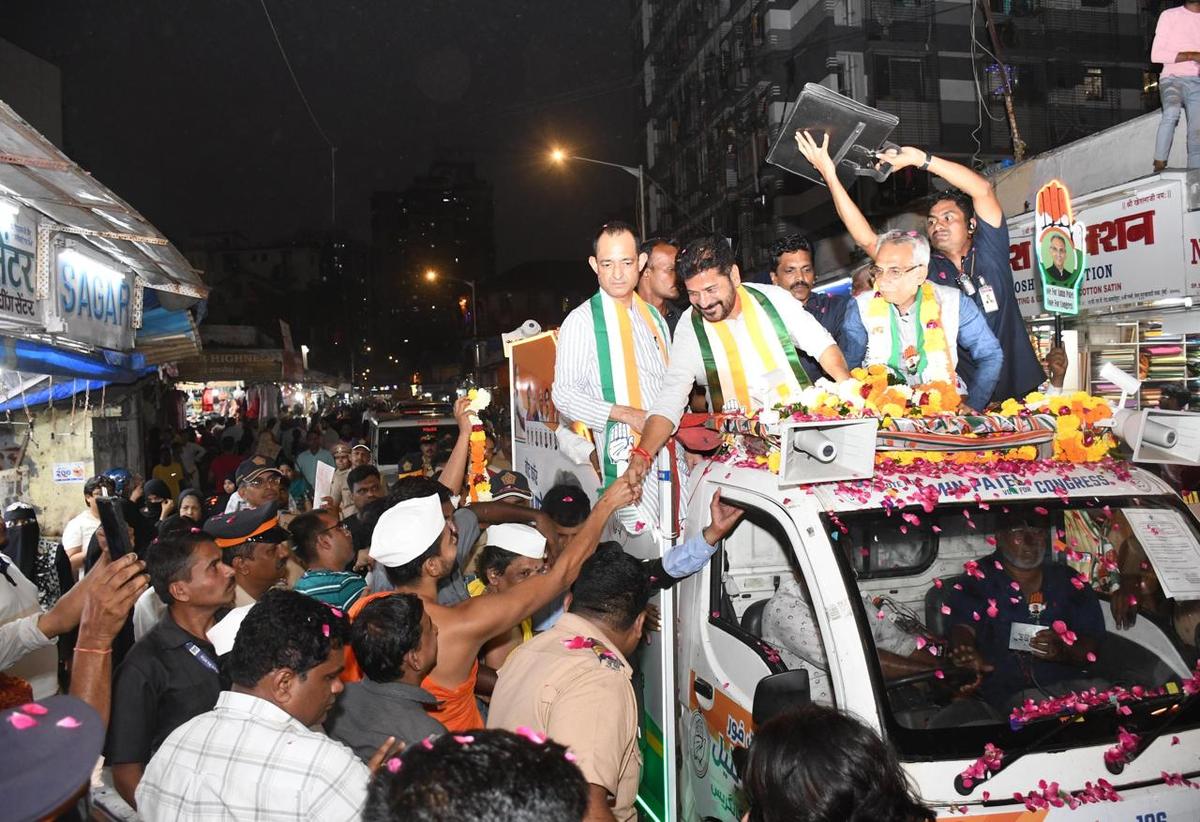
(187, 111)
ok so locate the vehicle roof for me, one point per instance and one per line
(902, 487)
(414, 420)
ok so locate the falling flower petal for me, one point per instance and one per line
(1091, 657)
(946, 610)
(939, 674)
(69, 722)
(325, 630)
(992, 610)
(34, 709)
(462, 739)
(394, 764)
(570, 757)
(921, 642)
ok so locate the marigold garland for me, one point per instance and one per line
(937, 355)
(480, 485)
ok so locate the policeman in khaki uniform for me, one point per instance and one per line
(572, 683)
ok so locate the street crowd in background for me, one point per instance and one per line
(389, 651)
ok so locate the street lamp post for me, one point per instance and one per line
(559, 156)
(432, 276)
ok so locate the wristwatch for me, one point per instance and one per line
(928, 159)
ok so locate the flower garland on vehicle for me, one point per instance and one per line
(1078, 439)
(480, 485)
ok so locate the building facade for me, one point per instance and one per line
(317, 282)
(719, 76)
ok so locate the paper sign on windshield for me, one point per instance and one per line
(1060, 248)
(1172, 548)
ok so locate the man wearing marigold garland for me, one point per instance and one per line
(737, 341)
(612, 355)
(967, 229)
(916, 328)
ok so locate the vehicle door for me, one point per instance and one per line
(724, 660)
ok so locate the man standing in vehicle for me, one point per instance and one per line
(738, 341)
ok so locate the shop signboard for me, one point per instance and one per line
(18, 265)
(1134, 245)
(1191, 251)
(92, 301)
(246, 364)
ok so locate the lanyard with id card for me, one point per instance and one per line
(987, 295)
(201, 657)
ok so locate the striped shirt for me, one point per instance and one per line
(341, 589)
(577, 390)
(247, 759)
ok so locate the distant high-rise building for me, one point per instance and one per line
(427, 241)
(718, 76)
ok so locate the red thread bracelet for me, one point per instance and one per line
(642, 452)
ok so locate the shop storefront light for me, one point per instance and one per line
(1172, 302)
(89, 264)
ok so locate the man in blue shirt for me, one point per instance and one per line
(792, 269)
(969, 234)
(1007, 634)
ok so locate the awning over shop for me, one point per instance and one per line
(32, 357)
(34, 172)
(166, 335)
(46, 390)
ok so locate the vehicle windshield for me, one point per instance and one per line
(399, 444)
(984, 617)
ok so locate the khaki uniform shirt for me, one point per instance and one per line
(573, 685)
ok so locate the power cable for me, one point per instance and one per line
(311, 114)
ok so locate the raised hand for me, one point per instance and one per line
(818, 155)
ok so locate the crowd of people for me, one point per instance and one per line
(389, 651)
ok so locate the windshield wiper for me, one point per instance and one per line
(1011, 756)
(1175, 710)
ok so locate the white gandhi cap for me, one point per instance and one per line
(406, 530)
(520, 539)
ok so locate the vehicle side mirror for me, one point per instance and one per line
(780, 692)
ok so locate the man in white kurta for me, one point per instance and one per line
(738, 341)
(612, 355)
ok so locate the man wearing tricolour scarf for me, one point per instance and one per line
(738, 341)
(915, 327)
(612, 355)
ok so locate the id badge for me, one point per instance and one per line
(988, 297)
(1020, 635)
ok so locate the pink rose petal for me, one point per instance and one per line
(34, 709)
(20, 721)
(393, 764)
(68, 722)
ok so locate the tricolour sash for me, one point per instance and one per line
(726, 366)
(615, 350)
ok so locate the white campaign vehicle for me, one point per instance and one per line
(843, 592)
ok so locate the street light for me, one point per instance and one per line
(559, 156)
(432, 276)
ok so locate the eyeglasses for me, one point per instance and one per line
(270, 479)
(890, 273)
(345, 529)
